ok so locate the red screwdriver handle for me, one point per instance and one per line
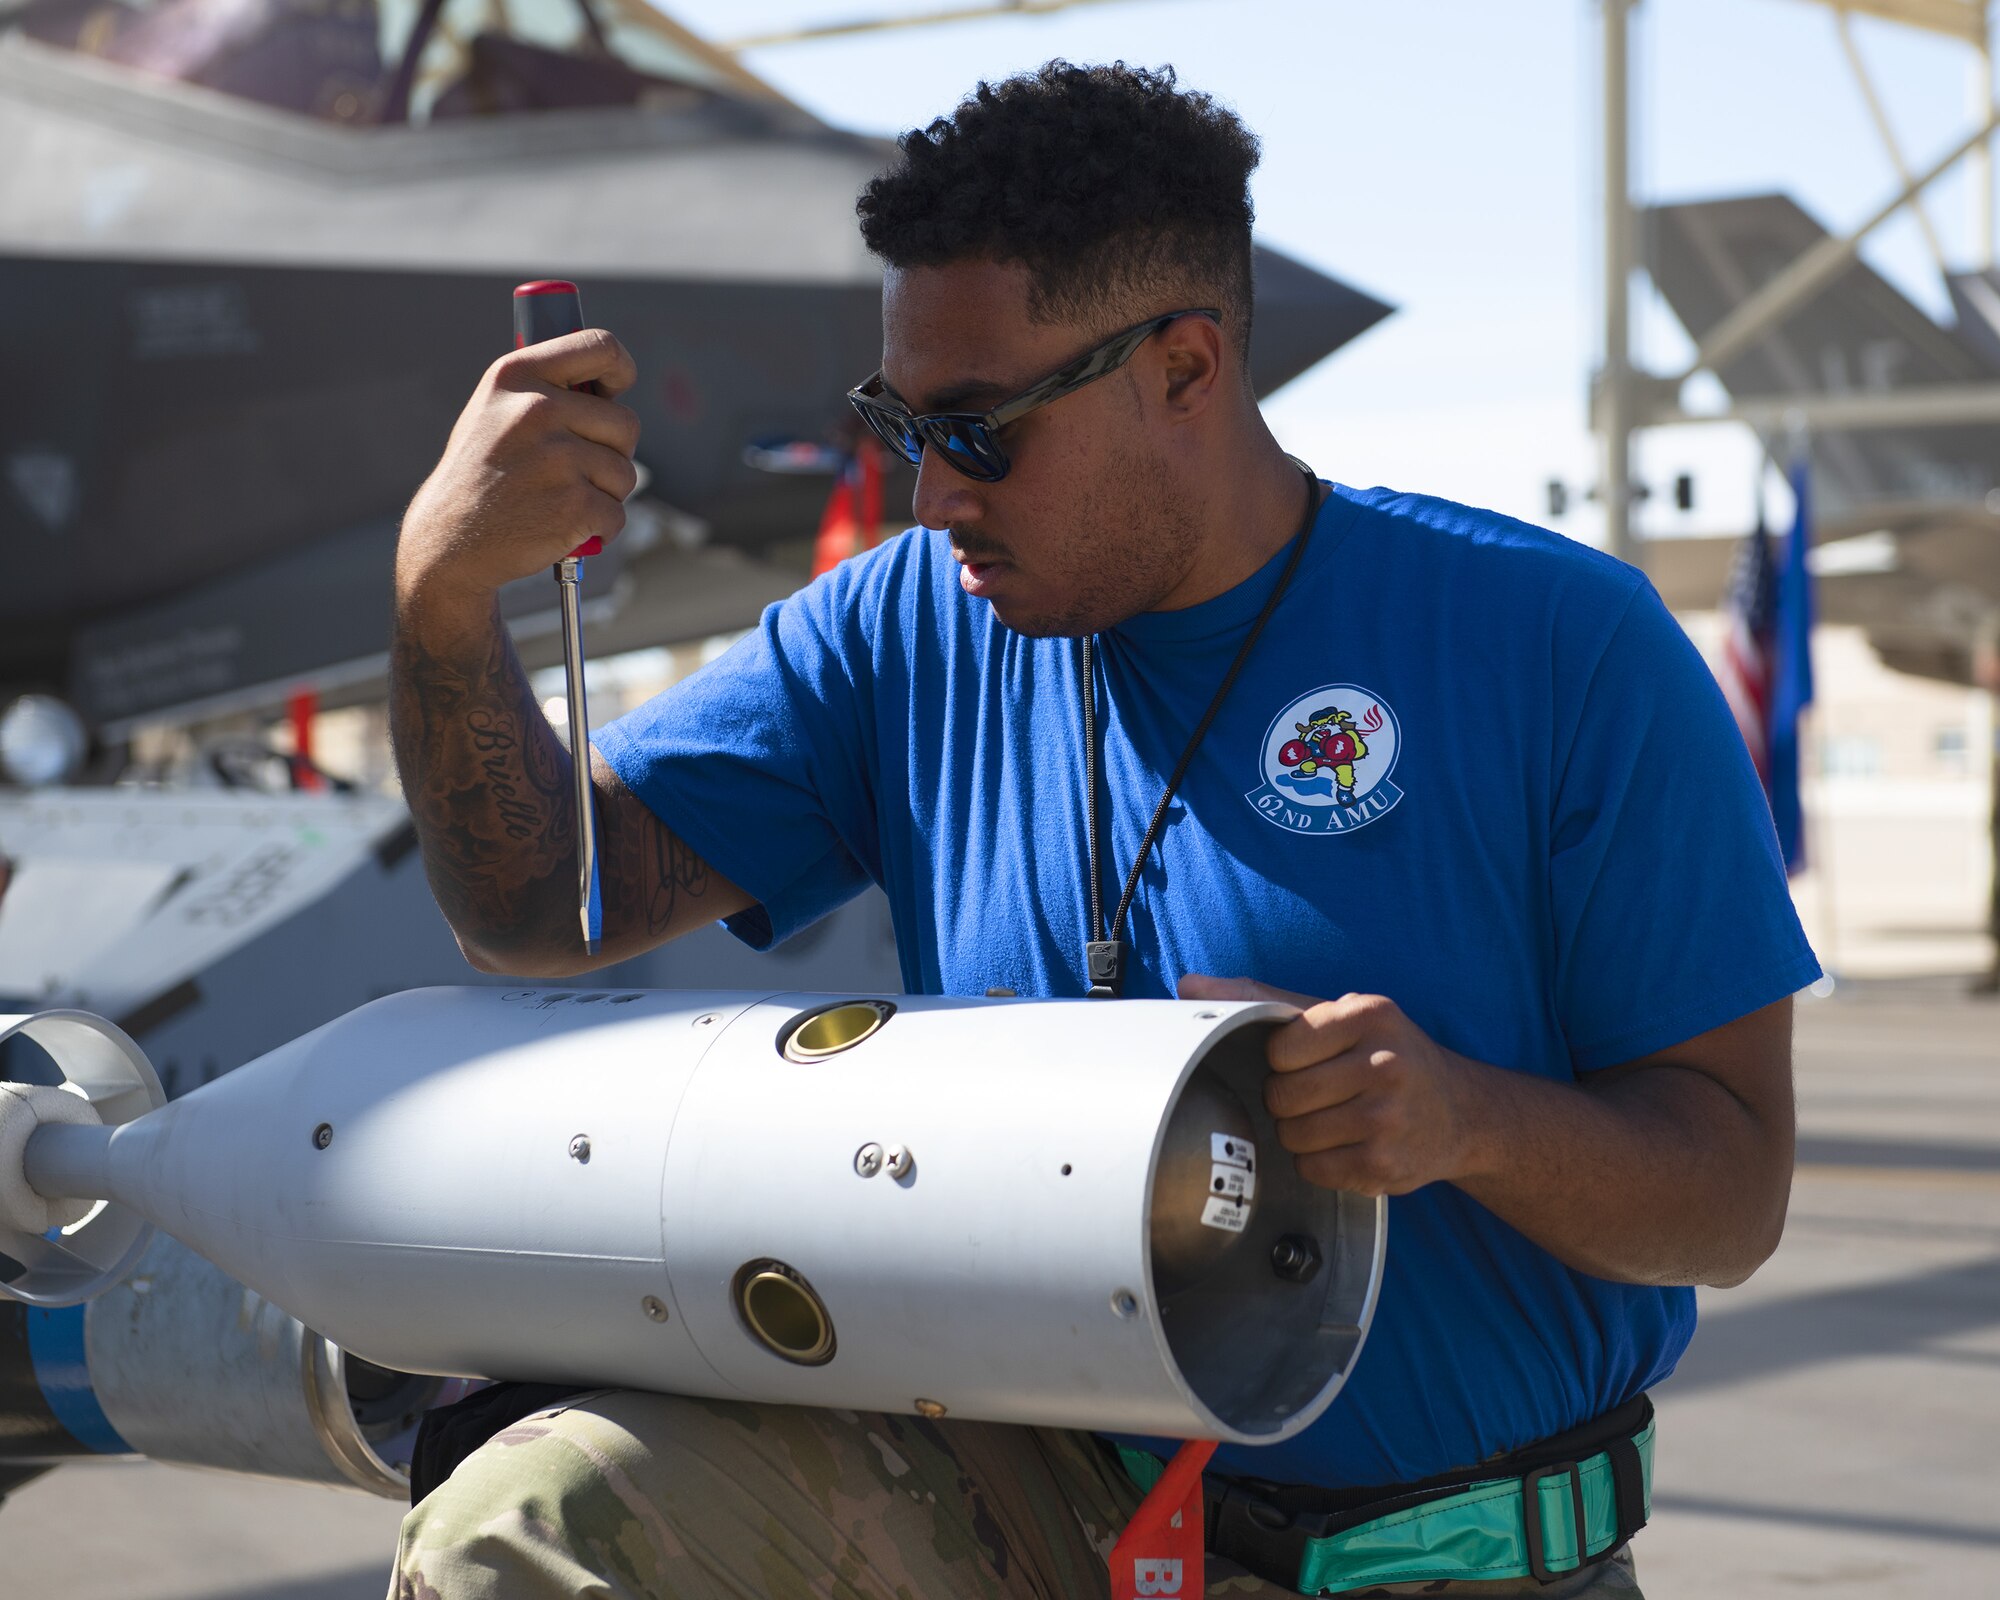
(548, 308)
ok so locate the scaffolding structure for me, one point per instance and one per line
(977, 11)
(1625, 399)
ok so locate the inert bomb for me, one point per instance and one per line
(1018, 1211)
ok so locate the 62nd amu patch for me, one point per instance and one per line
(1326, 760)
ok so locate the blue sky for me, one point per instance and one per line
(1443, 154)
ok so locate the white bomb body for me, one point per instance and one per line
(988, 1209)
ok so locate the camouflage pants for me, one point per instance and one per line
(654, 1497)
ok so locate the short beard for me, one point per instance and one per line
(1135, 541)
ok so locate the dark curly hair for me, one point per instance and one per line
(1118, 191)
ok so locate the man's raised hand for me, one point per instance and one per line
(536, 464)
(1365, 1099)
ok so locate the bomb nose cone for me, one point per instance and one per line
(1204, 1191)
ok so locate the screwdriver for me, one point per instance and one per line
(548, 309)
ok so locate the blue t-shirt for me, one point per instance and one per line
(1471, 765)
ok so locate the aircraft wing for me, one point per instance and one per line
(1860, 334)
(1975, 296)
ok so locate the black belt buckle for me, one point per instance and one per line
(1255, 1534)
(1531, 1519)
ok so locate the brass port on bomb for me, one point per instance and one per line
(783, 1313)
(837, 1028)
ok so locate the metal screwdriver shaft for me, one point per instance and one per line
(547, 309)
(589, 889)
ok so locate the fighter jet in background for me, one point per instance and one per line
(1906, 519)
(255, 253)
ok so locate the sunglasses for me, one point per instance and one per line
(971, 442)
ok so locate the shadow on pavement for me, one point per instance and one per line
(1842, 1521)
(1880, 1317)
(1910, 1154)
(367, 1582)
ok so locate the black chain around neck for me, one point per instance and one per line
(1104, 956)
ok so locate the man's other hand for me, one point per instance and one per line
(1365, 1099)
(1674, 1167)
(536, 464)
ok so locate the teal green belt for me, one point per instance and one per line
(1478, 1532)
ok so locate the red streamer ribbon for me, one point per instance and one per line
(853, 515)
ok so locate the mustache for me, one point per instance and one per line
(977, 552)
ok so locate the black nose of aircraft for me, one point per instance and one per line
(1302, 317)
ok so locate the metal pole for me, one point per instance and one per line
(1879, 113)
(920, 19)
(1614, 379)
(1930, 405)
(1986, 675)
(1979, 170)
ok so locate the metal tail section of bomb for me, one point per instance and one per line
(1039, 1212)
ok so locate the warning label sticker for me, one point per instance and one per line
(1238, 1182)
(1232, 1215)
(1237, 1152)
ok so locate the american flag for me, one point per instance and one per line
(1749, 647)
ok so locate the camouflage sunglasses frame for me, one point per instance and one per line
(970, 441)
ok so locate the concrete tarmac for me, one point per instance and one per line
(1830, 1432)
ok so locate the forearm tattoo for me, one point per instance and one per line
(648, 873)
(677, 872)
(487, 784)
